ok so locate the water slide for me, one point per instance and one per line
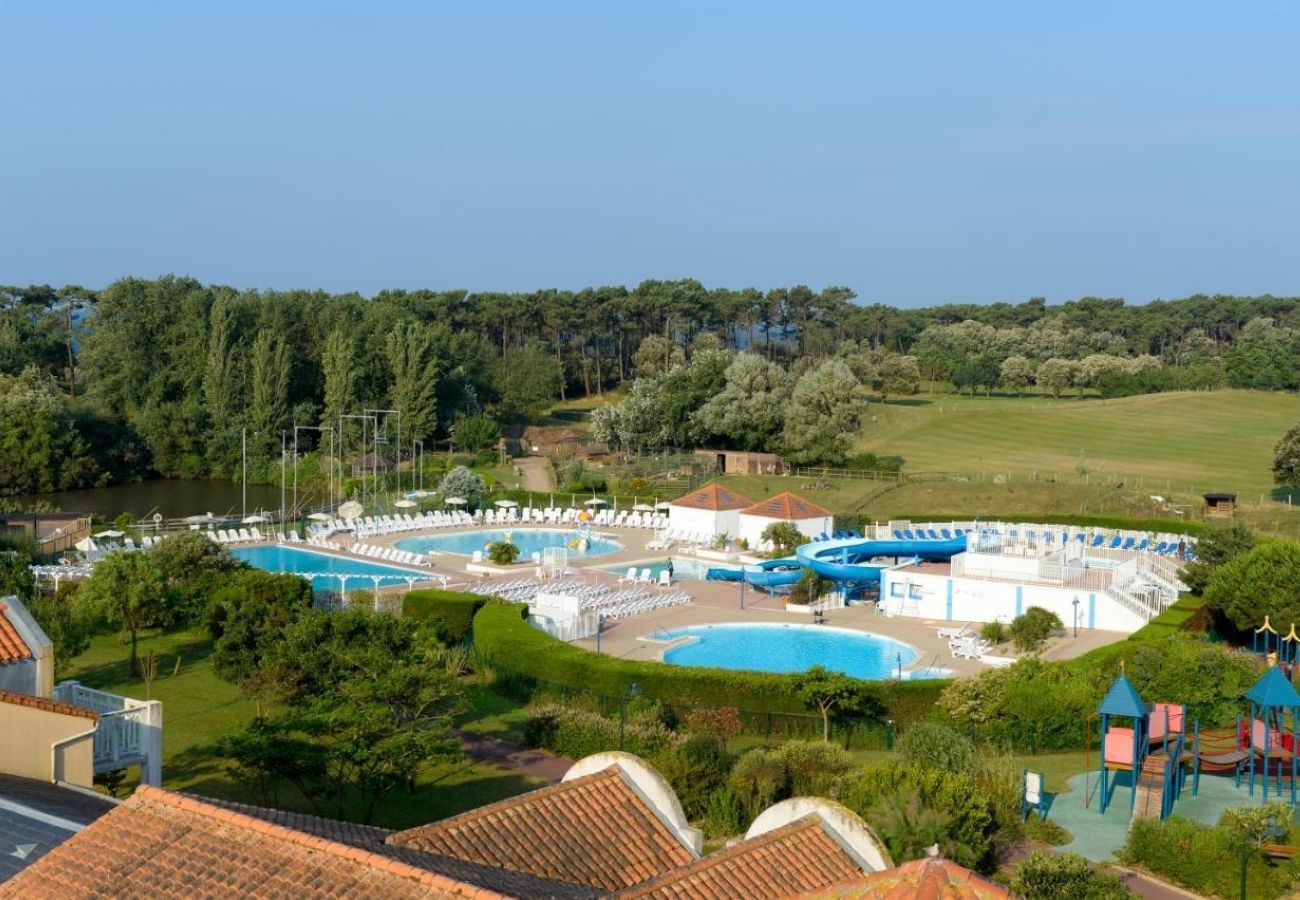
(842, 560)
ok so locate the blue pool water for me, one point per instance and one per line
(777, 647)
(528, 540)
(279, 558)
(684, 569)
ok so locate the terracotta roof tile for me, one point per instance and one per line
(12, 646)
(594, 830)
(712, 497)
(786, 506)
(159, 843)
(54, 706)
(921, 879)
(786, 861)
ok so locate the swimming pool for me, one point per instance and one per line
(684, 568)
(528, 540)
(355, 573)
(778, 647)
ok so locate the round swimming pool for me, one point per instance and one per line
(528, 540)
(778, 647)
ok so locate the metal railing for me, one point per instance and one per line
(129, 731)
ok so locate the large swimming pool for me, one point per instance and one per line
(778, 647)
(325, 568)
(528, 540)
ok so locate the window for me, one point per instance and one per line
(914, 592)
(895, 589)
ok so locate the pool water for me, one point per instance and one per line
(684, 569)
(326, 567)
(778, 647)
(528, 540)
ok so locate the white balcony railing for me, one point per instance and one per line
(129, 732)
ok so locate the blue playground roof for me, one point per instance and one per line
(1122, 700)
(1273, 690)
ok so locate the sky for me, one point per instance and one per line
(917, 153)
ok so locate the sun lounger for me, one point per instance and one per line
(949, 632)
(665, 580)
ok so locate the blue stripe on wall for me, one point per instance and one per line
(1020, 599)
(949, 600)
(1092, 610)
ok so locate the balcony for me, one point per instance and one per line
(129, 731)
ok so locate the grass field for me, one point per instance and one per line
(1179, 443)
(198, 708)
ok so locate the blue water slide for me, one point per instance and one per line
(849, 559)
(767, 574)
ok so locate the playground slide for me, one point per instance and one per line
(848, 559)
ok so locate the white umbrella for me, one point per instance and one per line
(199, 519)
(643, 507)
(85, 545)
(351, 510)
(405, 504)
(455, 501)
(595, 501)
(663, 506)
(319, 517)
(111, 533)
(253, 520)
(506, 504)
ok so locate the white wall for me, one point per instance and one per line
(751, 527)
(974, 600)
(689, 518)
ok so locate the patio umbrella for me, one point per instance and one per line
(643, 507)
(351, 510)
(506, 504)
(405, 504)
(111, 533)
(663, 506)
(455, 501)
(595, 501)
(319, 517)
(199, 519)
(85, 545)
(253, 520)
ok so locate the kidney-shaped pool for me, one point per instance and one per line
(781, 647)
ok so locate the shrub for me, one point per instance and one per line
(937, 745)
(1217, 545)
(758, 780)
(503, 553)
(1203, 858)
(723, 724)
(1263, 581)
(448, 614)
(580, 732)
(994, 632)
(814, 768)
(696, 768)
(503, 637)
(955, 799)
(1068, 876)
(784, 537)
(1029, 629)
(724, 815)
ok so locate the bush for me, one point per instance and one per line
(1068, 876)
(758, 780)
(1217, 545)
(449, 615)
(994, 632)
(1263, 581)
(937, 745)
(814, 768)
(1203, 858)
(503, 553)
(1029, 629)
(696, 768)
(724, 816)
(503, 637)
(581, 732)
(722, 724)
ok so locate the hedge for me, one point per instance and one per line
(450, 613)
(503, 637)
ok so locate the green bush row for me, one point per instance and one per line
(1204, 858)
(449, 613)
(503, 637)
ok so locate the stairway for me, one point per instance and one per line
(1150, 798)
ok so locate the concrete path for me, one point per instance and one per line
(535, 473)
(538, 763)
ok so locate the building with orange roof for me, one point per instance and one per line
(808, 517)
(921, 879)
(708, 511)
(26, 652)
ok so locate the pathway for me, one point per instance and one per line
(538, 763)
(535, 473)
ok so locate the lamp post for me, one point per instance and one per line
(633, 691)
(1076, 616)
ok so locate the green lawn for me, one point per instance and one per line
(198, 708)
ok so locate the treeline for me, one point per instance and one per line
(172, 372)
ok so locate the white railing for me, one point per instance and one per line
(129, 731)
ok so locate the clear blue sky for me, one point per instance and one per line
(916, 152)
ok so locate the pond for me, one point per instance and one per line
(174, 498)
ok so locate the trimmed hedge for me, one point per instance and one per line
(449, 613)
(503, 637)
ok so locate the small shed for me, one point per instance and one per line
(1220, 505)
(808, 517)
(712, 509)
(743, 462)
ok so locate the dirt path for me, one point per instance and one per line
(538, 763)
(535, 472)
